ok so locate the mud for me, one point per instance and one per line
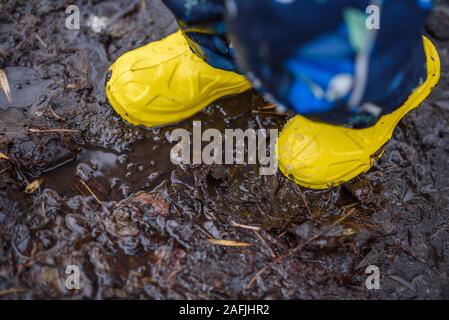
(138, 226)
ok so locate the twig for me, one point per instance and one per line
(316, 237)
(271, 106)
(41, 41)
(403, 282)
(265, 243)
(254, 278)
(305, 201)
(282, 234)
(229, 243)
(91, 192)
(54, 113)
(143, 5)
(4, 85)
(204, 232)
(51, 130)
(301, 246)
(13, 290)
(244, 226)
(269, 113)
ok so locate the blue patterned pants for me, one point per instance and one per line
(345, 62)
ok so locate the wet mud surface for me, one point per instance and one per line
(110, 201)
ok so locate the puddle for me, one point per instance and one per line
(27, 88)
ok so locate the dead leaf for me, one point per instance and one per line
(229, 243)
(157, 201)
(4, 156)
(33, 186)
(4, 85)
(349, 232)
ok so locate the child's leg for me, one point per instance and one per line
(320, 59)
(202, 22)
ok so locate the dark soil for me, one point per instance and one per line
(146, 235)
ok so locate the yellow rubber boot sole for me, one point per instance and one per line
(318, 156)
(165, 82)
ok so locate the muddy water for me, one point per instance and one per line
(25, 85)
(137, 226)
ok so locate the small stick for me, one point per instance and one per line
(254, 278)
(41, 41)
(143, 5)
(229, 243)
(302, 246)
(54, 113)
(281, 235)
(91, 192)
(317, 236)
(205, 232)
(13, 290)
(244, 226)
(271, 106)
(4, 85)
(273, 255)
(51, 130)
(269, 113)
(305, 201)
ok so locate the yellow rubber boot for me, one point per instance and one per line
(318, 155)
(165, 82)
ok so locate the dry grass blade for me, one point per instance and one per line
(4, 85)
(254, 278)
(267, 113)
(229, 243)
(41, 41)
(51, 130)
(271, 106)
(91, 192)
(244, 226)
(305, 201)
(265, 243)
(33, 186)
(4, 156)
(12, 291)
(54, 113)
